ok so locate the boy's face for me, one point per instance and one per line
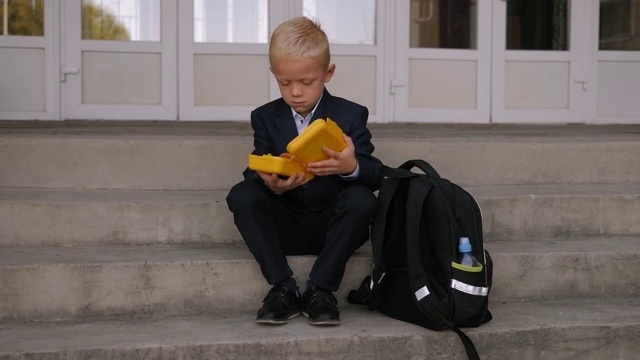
(301, 82)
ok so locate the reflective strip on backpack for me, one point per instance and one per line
(422, 293)
(379, 281)
(469, 289)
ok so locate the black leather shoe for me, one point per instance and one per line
(280, 305)
(320, 306)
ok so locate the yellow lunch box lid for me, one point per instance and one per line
(307, 147)
(277, 165)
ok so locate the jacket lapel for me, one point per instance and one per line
(286, 123)
(324, 108)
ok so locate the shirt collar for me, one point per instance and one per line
(294, 113)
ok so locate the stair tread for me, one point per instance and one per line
(113, 196)
(39, 195)
(400, 130)
(30, 256)
(554, 190)
(509, 319)
(115, 254)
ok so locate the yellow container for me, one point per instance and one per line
(277, 165)
(307, 147)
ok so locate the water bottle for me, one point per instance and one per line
(465, 257)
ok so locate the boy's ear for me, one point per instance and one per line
(331, 69)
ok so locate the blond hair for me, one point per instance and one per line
(299, 38)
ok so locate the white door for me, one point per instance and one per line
(616, 43)
(224, 68)
(29, 60)
(540, 61)
(355, 30)
(224, 64)
(442, 62)
(120, 59)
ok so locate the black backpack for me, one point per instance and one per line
(414, 237)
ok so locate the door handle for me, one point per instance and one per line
(582, 81)
(68, 71)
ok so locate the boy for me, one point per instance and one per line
(328, 216)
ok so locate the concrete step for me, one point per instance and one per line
(211, 156)
(522, 212)
(43, 217)
(570, 329)
(54, 217)
(41, 283)
(45, 283)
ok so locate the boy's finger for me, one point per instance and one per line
(291, 179)
(332, 154)
(347, 139)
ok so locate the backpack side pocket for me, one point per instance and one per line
(470, 293)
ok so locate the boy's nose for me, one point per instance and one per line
(296, 90)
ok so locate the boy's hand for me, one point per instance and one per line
(338, 163)
(279, 185)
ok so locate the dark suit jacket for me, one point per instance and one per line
(274, 128)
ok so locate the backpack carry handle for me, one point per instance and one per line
(397, 173)
(422, 165)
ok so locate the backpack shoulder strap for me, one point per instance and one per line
(388, 188)
(421, 284)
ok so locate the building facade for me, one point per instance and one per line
(439, 61)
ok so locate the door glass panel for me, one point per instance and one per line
(619, 24)
(345, 21)
(444, 24)
(22, 17)
(122, 20)
(231, 21)
(537, 25)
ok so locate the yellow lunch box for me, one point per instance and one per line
(277, 165)
(307, 147)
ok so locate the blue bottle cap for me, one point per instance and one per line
(464, 246)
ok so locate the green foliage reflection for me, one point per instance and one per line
(99, 24)
(23, 17)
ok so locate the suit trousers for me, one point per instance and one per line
(272, 229)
